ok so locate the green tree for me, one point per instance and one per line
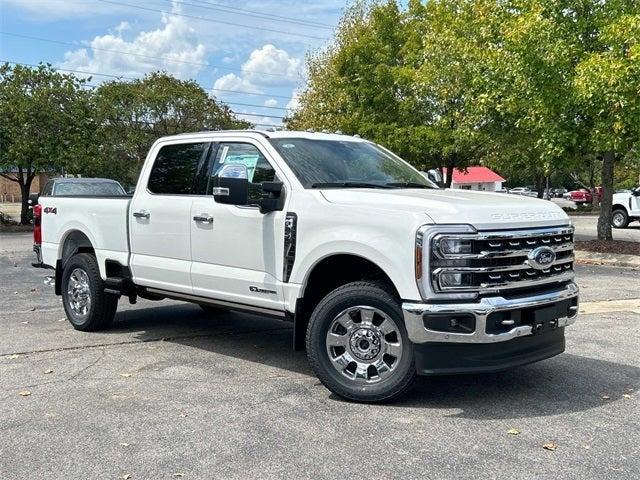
(43, 123)
(132, 115)
(608, 83)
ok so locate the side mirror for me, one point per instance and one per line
(273, 199)
(636, 192)
(33, 199)
(231, 185)
(435, 176)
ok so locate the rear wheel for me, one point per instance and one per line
(619, 219)
(358, 345)
(87, 306)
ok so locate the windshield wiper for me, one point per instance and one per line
(408, 185)
(349, 185)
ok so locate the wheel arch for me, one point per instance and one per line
(322, 278)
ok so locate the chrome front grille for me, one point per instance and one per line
(495, 261)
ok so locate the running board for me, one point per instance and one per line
(218, 303)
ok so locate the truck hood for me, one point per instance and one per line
(483, 210)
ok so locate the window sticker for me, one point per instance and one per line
(223, 156)
(250, 161)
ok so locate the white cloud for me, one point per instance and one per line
(271, 66)
(233, 82)
(267, 66)
(272, 102)
(294, 103)
(173, 48)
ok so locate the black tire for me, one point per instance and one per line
(619, 218)
(102, 307)
(212, 310)
(352, 295)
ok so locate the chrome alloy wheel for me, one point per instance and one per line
(364, 344)
(617, 219)
(79, 292)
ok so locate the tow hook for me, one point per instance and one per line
(50, 281)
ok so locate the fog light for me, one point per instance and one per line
(455, 280)
(455, 245)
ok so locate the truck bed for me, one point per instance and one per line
(102, 219)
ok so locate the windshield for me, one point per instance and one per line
(89, 188)
(335, 164)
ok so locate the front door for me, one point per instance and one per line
(160, 223)
(237, 252)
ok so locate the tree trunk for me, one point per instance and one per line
(540, 185)
(25, 187)
(604, 221)
(451, 165)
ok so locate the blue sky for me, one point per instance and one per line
(253, 48)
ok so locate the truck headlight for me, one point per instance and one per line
(449, 246)
(449, 280)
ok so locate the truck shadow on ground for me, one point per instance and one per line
(563, 384)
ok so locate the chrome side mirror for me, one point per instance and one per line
(435, 176)
(231, 185)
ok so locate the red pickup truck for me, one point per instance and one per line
(583, 196)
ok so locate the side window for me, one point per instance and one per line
(48, 188)
(258, 168)
(175, 167)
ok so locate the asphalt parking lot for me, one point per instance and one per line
(171, 393)
(587, 229)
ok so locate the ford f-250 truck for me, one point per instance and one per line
(383, 274)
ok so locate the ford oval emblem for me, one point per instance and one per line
(541, 258)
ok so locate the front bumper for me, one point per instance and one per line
(417, 316)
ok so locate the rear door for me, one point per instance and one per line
(160, 222)
(237, 251)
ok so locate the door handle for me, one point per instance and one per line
(142, 214)
(203, 218)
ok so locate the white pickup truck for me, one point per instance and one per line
(626, 208)
(383, 274)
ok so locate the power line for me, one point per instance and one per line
(122, 77)
(251, 13)
(205, 19)
(151, 57)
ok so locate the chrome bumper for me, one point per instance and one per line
(418, 333)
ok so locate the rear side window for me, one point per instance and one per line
(175, 168)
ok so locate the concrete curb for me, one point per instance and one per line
(616, 260)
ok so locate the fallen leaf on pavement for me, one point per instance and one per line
(626, 395)
(25, 393)
(126, 476)
(48, 371)
(513, 431)
(550, 446)
(606, 397)
(11, 357)
(125, 375)
(122, 444)
(178, 474)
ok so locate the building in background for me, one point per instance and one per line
(10, 190)
(476, 178)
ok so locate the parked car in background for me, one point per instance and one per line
(82, 186)
(525, 191)
(581, 196)
(558, 192)
(626, 208)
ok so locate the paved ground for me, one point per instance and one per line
(586, 229)
(169, 391)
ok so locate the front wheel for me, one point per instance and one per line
(87, 306)
(619, 219)
(358, 346)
